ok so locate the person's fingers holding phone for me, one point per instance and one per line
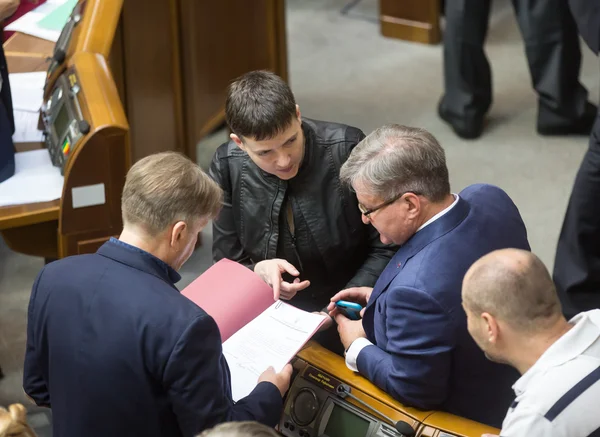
(359, 295)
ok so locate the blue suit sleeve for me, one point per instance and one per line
(34, 383)
(198, 384)
(415, 367)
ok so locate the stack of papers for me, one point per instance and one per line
(35, 180)
(27, 90)
(46, 21)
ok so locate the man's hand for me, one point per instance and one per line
(7, 8)
(281, 380)
(490, 435)
(270, 271)
(360, 295)
(349, 330)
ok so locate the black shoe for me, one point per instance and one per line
(583, 126)
(468, 130)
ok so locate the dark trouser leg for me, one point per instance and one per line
(577, 263)
(554, 57)
(7, 150)
(467, 74)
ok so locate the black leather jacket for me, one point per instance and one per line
(336, 249)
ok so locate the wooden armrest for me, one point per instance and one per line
(28, 214)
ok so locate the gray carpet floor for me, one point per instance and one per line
(342, 69)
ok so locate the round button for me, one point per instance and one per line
(305, 407)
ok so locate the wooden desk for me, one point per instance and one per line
(171, 60)
(26, 53)
(411, 20)
(57, 229)
(425, 423)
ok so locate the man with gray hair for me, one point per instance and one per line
(413, 341)
(515, 317)
(113, 347)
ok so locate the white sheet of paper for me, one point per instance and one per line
(28, 23)
(27, 90)
(26, 127)
(271, 339)
(35, 180)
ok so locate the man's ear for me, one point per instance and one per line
(237, 140)
(413, 202)
(491, 327)
(177, 233)
(298, 113)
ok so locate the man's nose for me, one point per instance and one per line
(284, 160)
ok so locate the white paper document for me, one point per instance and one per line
(26, 127)
(35, 180)
(32, 23)
(271, 339)
(27, 90)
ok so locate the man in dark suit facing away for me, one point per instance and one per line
(113, 347)
(577, 263)
(413, 341)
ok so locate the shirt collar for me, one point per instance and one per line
(441, 213)
(585, 331)
(170, 272)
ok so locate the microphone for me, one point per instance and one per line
(402, 427)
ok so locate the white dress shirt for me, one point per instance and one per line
(360, 343)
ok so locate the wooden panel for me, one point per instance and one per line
(23, 43)
(219, 42)
(35, 240)
(26, 53)
(101, 158)
(411, 20)
(31, 213)
(335, 365)
(91, 246)
(151, 76)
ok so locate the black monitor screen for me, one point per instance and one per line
(344, 423)
(61, 122)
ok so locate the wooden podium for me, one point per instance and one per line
(171, 60)
(99, 158)
(321, 370)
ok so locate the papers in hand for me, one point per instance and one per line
(257, 332)
(272, 339)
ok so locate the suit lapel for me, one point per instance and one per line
(416, 243)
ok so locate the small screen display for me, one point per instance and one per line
(344, 423)
(61, 122)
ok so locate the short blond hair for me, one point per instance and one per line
(240, 429)
(13, 422)
(164, 188)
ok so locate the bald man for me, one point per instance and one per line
(515, 317)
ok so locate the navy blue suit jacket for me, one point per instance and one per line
(423, 354)
(115, 350)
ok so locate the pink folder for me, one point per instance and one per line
(232, 294)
